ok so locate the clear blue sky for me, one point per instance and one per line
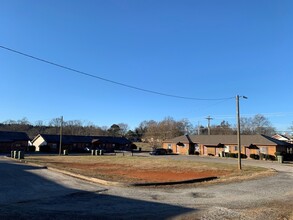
(203, 49)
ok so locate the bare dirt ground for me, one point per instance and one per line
(146, 169)
(130, 174)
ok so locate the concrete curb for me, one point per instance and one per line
(90, 179)
(79, 176)
(112, 183)
(175, 182)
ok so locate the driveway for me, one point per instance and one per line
(37, 193)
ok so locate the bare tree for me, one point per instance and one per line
(55, 122)
(155, 132)
(224, 128)
(185, 126)
(259, 124)
(73, 127)
(123, 128)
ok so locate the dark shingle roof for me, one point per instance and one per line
(11, 136)
(214, 140)
(70, 139)
(182, 139)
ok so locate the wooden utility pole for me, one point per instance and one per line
(209, 129)
(238, 129)
(198, 128)
(60, 143)
(238, 132)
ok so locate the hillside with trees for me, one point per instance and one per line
(152, 132)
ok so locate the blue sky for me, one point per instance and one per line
(201, 49)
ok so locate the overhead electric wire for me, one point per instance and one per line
(111, 81)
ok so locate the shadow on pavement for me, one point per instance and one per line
(26, 193)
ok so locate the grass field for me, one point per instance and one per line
(138, 169)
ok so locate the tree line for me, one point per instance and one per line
(153, 132)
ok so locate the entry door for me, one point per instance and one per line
(205, 150)
(247, 152)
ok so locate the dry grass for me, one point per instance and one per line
(137, 169)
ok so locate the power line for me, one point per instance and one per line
(269, 115)
(108, 80)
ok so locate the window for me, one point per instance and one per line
(169, 146)
(263, 150)
(235, 148)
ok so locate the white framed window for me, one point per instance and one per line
(169, 146)
(263, 150)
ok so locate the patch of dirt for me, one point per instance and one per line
(119, 172)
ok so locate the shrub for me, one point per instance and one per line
(242, 156)
(31, 148)
(254, 156)
(233, 155)
(196, 153)
(262, 156)
(267, 157)
(134, 147)
(271, 157)
(169, 151)
(211, 154)
(288, 157)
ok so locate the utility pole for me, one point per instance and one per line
(238, 132)
(209, 129)
(198, 129)
(238, 129)
(60, 144)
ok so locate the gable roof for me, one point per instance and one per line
(11, 136)
(70, 139)
(110, 139)
(183, 139)
(281, 136)
(214, 140)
